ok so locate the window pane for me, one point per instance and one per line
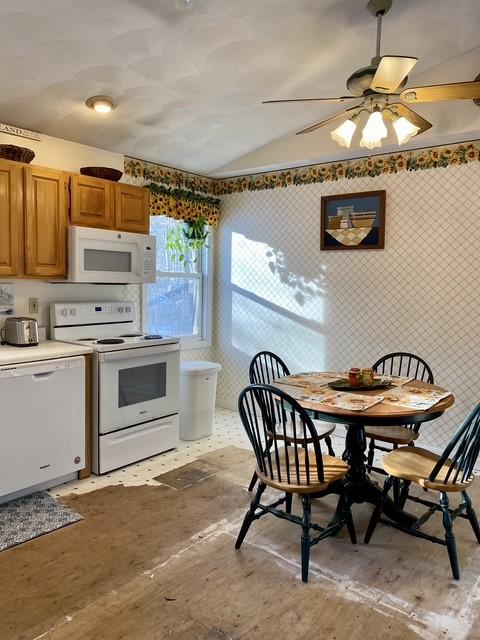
(159, 227)
(173, 306)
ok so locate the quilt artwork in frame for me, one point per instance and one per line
(353, 221)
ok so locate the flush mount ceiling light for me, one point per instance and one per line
(100, 104)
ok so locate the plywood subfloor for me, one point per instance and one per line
(158, 562)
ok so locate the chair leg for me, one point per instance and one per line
(371, 454)
(253, 481)
(349, 520)
(402, 498)
(449, 535)
(288, 503)
(328, 442)
(396, 490)
(250, 515)
(306, 502)
(472, 516)
(377, 512)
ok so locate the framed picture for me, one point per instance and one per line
(353, 221)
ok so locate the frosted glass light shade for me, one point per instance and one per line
(102, 106)
(343, 134)
(374, 131)
(405, 130)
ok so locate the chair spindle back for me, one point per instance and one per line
(266, 367)
(404, 364)
(265, 412)
(462, 451)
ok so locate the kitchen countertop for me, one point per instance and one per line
(46, 350)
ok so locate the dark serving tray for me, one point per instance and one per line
(342, 385)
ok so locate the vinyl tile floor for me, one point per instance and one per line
(227, 431)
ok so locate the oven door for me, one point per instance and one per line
(137, 385)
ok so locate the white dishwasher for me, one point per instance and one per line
(42, 422)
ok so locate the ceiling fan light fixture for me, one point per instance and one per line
(100, 104)
(404, 129)
(344, 133)
(373, 131)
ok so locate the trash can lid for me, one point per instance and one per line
(199, 367)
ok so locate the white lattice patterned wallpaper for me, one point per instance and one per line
(275, 289)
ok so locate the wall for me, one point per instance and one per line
(68, 156)
(63, 154)
(47, 293)
(275, 290)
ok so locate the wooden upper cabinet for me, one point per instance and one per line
(91, 202)
(45, 221)
(132, 208)
(11, 203)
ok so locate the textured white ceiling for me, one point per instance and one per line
(189, 80)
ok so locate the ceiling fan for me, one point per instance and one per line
(378, 88)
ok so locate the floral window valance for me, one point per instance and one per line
(183, 205)
(177, 194)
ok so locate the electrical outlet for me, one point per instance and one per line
(33, 305)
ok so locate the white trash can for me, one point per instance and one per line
(198, 386)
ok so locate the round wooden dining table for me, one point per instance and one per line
(358, 486)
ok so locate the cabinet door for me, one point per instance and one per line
(91, 202)
(132, 208)
(46, 218)
(11, 202)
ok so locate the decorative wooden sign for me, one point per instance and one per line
(16, 131)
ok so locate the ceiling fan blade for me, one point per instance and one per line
(410, 115)
(340, 99)
(438, 92)
(391, 72)
(322, 123)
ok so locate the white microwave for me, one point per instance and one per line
(104, 256)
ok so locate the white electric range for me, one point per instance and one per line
(135, 381)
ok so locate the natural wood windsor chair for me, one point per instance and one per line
(396, 364)
(272, 418)
(452, 471)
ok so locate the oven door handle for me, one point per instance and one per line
(137, 352)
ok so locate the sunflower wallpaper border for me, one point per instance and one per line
(161, 204)
(429, 158)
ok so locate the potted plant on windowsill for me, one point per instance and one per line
(184, 243)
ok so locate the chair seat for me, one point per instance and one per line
(333, 469)
(416, 464)
(394, 434)
(323, 430)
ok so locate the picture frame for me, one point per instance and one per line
(353, 221)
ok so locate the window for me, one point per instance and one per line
(179, 303)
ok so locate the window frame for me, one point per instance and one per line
(205, 278)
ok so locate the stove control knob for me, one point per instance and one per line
(120, 309)
(73, 312)
(64, 312)
(128, 309)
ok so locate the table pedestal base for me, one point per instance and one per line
(357, 486)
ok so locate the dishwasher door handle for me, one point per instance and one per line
(44, 375)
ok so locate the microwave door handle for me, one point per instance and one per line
(130, 354)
